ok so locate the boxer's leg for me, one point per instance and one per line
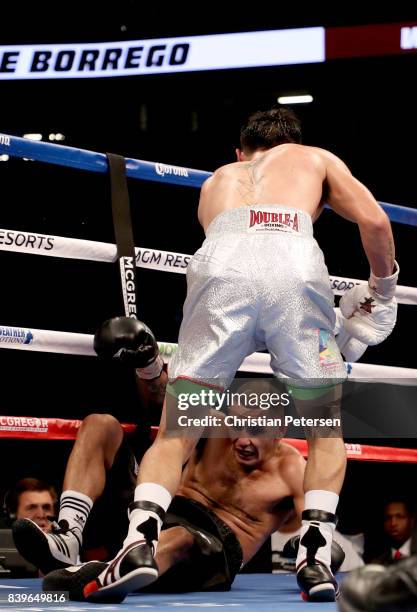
(95, 448)
(174, 546)
(217, 332)
(134, 567)
(323, 481)
(303, 349)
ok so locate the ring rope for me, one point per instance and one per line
(83, 159)
(70, 343)
(82, 344)
(26, 428)
(152, 259)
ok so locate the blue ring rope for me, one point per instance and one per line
(139, 169)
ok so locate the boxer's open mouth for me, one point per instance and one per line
(246, 453)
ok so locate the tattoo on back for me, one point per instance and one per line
(250, 185)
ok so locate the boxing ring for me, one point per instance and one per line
(152, 259)
(268, 591)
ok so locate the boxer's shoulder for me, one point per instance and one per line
(220, 173)
(328, 158)
(287, 450)
(291, 462)
(228, 169)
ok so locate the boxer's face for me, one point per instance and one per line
(252, 451)
(248, 445)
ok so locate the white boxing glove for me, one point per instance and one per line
(351, 348)
(371, 310)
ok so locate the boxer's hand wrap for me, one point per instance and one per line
(351, 348)
(131, 342)
(384, 287)
(371, 310)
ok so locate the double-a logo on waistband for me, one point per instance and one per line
(267, 221)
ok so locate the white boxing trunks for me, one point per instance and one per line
(258, 281)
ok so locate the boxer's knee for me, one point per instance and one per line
(101, 430)
(181, 447)
(101, 425)
(176, 542)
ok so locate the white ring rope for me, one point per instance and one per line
(153, 259)
(49, 341)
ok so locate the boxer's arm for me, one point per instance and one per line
(370, 310)
(152, 392)
(202, 204)
(352, 200)
(131, 342)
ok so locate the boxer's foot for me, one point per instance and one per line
(314, 575)
(73, 579)
(317, 583)
(132, 569)
(47, 551)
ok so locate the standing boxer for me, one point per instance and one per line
(260, 278)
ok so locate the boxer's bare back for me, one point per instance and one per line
(291, 175)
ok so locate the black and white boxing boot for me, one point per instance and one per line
(47, 551)
(73, 579)
(314, 575)
(134, 567)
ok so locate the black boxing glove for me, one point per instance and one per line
(131, 342)
(290, 551)
(338, 556)
(375, 588)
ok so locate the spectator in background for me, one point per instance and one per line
(32, 499)
(398, 527)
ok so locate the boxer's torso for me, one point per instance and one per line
(253, 502)
(291, 175)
